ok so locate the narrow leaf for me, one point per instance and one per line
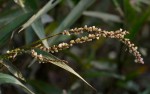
(129, 12)
(39, 30)
(29, 35)
(8, 28)
(137, 24)
(103, 16)
(73, 16)
(12, 69)
(44, 10)
(60, 63)
(5, 78)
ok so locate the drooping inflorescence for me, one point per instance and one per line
(93, 33)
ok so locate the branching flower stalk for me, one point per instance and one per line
(93, 33)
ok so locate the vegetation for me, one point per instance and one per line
(79, 36)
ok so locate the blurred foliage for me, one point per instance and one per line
(105, 63)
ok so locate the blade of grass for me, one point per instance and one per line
(7, 29)
(42, 11)
(60, 63)
(8, 15)
(118, 7)
(137, 24)
(29, 35)
(12, 69)
(39, 30)
(103, 16)
(73, 16)
(131, 15)
(5, 78)
(129, 12)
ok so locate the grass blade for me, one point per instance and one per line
(60, 63)
(132, 15)
(7, 29)
(103, 16)
(44, 10)
(73, 16)
(137, 24)
(39, 30)
(5, 78)
(12, 69)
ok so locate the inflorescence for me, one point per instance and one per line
(94, 33)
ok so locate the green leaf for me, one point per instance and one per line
(42, 11)
(8, 28)
(137, 24)
(12, 69)
(8, 15)
(60, 63)
(131, 16)
(73, 16)
(5, 78)
(29, 35)
(118, 7)
(129, 11)
(39, 30)
(103, 16)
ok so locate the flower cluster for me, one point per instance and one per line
(133, 50)
(44, 59)
(94, 33)
(14, 53)
(34, 54)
